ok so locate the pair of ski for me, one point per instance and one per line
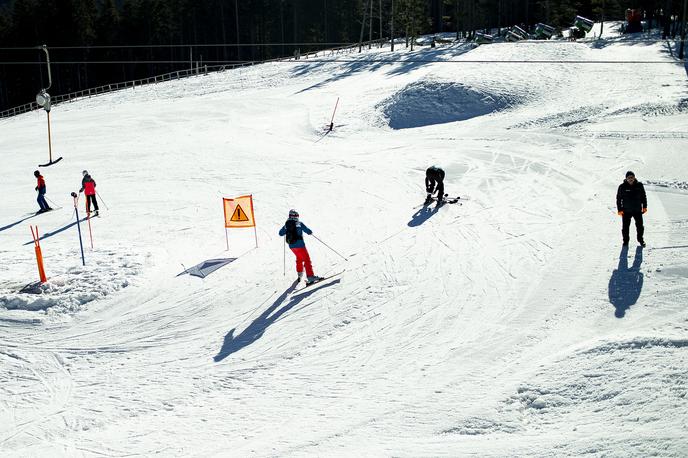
(320, 280)
(29, 215)
(445, 200)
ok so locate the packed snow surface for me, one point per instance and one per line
(509, 324)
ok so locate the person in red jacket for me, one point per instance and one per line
(88, 186)
(40, 187)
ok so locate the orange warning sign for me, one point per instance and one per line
(239, 212)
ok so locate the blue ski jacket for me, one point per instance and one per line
(300, 229)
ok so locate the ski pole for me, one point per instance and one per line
(101, 199)
(78, 226)
(335, 251)
(51, 201)
(284, 257)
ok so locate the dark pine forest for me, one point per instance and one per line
(96, 42)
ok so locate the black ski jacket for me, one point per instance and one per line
(433, 175)
(631, 198)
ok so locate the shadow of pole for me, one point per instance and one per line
(626, 283)
(62, 229)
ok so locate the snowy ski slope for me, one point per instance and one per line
(510, 325)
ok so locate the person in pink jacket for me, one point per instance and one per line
(88, 186)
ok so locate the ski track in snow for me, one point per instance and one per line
(510, 325)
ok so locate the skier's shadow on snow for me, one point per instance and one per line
(626, 283)
(11, 225)
(424, 214)
(256, 329)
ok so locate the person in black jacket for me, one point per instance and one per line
(631, 203)
(434, 176)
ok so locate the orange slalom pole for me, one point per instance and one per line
(39, 255)
(90, 233)
(333, 112)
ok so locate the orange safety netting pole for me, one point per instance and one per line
(39, 255)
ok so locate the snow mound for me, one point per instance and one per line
(427, 103)
(599, 379)
(105, 273)
(641, 381)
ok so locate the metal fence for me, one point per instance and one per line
(70, 97)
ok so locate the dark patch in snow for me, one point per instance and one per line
(638, 344)
(668, 184)
(569, 118)
(590, 113)
(654, 109)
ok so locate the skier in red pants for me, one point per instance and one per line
(294, 229)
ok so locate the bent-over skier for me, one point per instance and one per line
(434, 176)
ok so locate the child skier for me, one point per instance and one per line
(40, 187)
(294, 229)
(88, 184)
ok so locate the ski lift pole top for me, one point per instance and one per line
(47, 58)
(43, 101)
(43, 98)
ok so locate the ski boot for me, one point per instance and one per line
(313, 279)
